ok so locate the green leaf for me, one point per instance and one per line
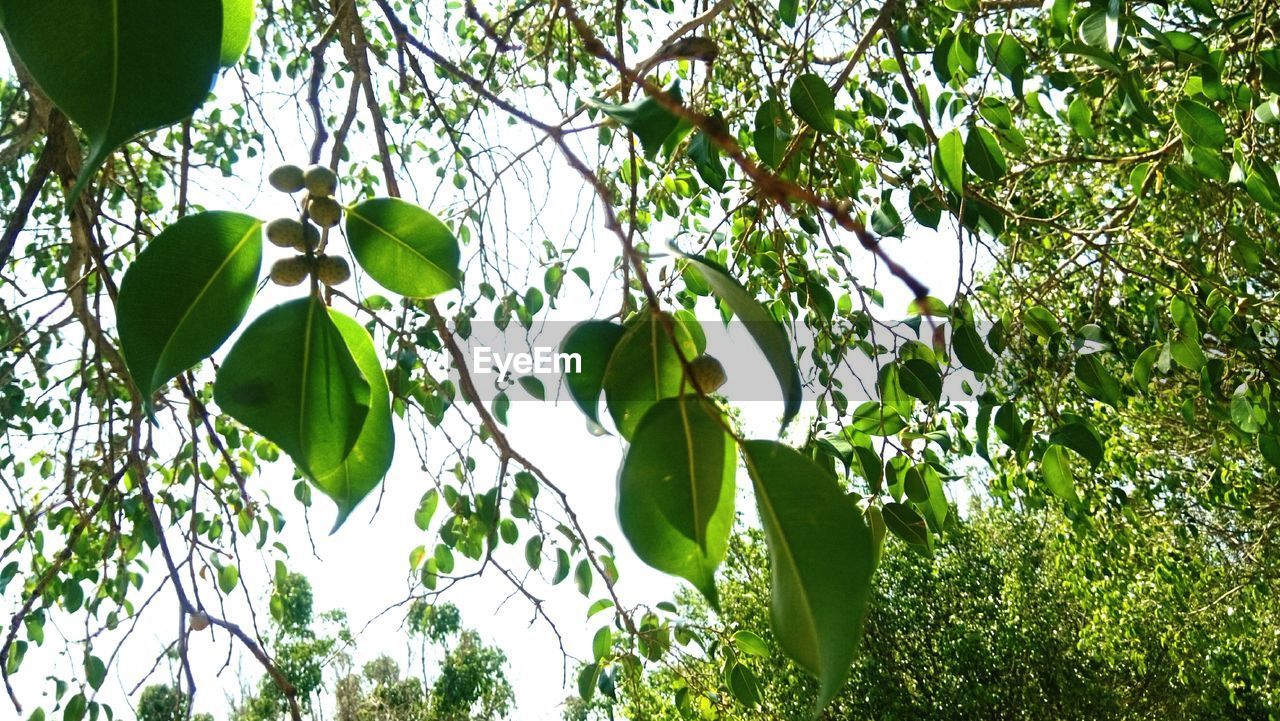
(787, 12)
(593, 341)
(237, 27)
(404, 248)
(1079, 435)
(771, 134)
(814, 103)
(1057, 474)
(117, 69)
(587, 679)
(1040, 321)
(426, 509)
(228, 577)
(982, 153)
(602, 643)
(768, 334)
(743, 685)
(1142, 367)
(1095, 380)
(1080, 117)
(1007, 55)
(75, 708)
(948, 162)
(706, 160)
(1199, 125)
(562, 567)
(644, 369)
(95, 671)
(646, 117)
(751, 644)
(675, 490)
(970, 350)
(1187, 352)
(370, 458)
(920, 379)
(291, 378)
(185, 294)
(582, 577)
(821, 559)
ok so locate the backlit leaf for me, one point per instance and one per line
(675, 490)
(593, 341)
(404, 248)
(821, 559)
(813, 101)
(291, 378)
(186, 293)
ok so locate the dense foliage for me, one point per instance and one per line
(1102, 356)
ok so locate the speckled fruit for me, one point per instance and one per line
(285, 232)
(287, 179)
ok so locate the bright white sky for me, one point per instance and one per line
(363, 569)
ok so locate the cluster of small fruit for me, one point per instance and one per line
(303, 235)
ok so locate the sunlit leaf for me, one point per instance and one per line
(186, 293)
(404, 248)
(675, 490)
(821, 560)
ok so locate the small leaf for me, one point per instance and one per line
(406, 249)
(185, 294)
(75, 708)
(1079, 435)
(562, 567)
(920, 379)
(647, 118)
(1199, 125)
(587, 679)
(1095, 380)
(95, 671)
(602, 643)
(291, 378)
(982, 153)
(706, 160)
(813, 101)
(1080, 117)
(593, 342)
(768, 334)
(675, 490)
(370, 458)
(1058, 475)
(948, 162)
(751, 644)
(582, 577)
(817, 605)
(905, 523)
(970, 349)
(118, 69)
(228, 576)
(426, 509)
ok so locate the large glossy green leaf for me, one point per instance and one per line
(970, 349)
(768, 334)
(370, 458)
(675, 490)
(403, 247)
(186, 293)
(291, 378)
(593, 341)
(117, 68)
(1079, 435)
(814, 102)
(821, 559)
(237, 24)
(646, 117)
(644, 369)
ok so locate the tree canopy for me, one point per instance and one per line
(1009, 251)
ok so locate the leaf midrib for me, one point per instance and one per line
(699, 532)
